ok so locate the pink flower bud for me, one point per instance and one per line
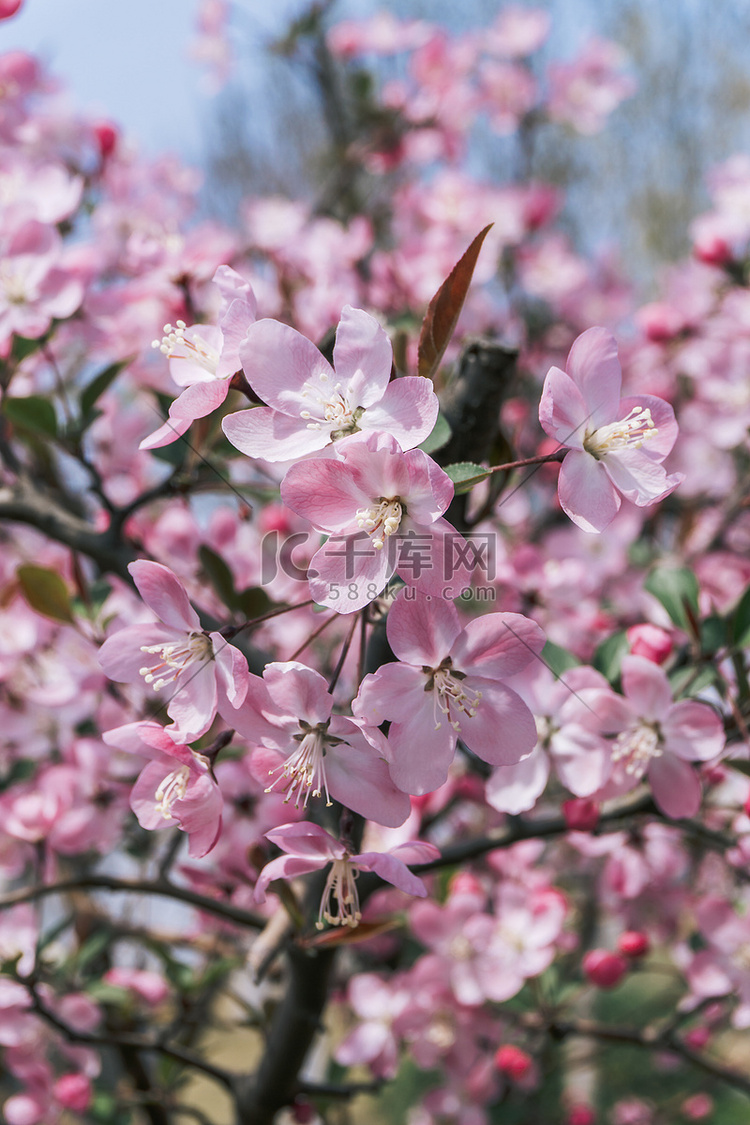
(9, 8)
(512, 1061)
(580, 1115)
(73, 1091)
(650, 641)
(603, 968)
(581, 814)
(712, 250)
(302, 1111)
(633, 943)
(106, 137)
(698, 1107)
(697, 1037)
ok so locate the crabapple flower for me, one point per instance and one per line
(177, 785)
(204, 357)
(311, 404)
(34, 286)
(657, 738)
(383, 510)
(565, 740)
(309, 847)
(447, 685)
(304, 750)
(199, 668)
(616, 445)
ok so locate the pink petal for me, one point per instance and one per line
(595, 369)
(298, 691)
(362, 357)
(503, 730)
(166, 434)
(407, 411)
(497, 645)
(263, 432)
(675, 785)
(391, 693)
(286, 867)
(199, 400)
(278, 361)
(646, 686)
(327, 493)
(165, 595)
(422, 754)
(392, 870)
(663, 418)
(693, 731)
(422, 630)
(199, 814)
(515, 789)
(121, 656)
(231, 669)
(193, 706)
(306, 840)
(347, 573)
(143, 796)
(582, 760)
(359, 778)
(639, 479)
(587, 495)
(562, 412)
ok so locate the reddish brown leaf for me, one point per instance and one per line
(345, 935)
(445, 308)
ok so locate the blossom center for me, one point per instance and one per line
(304, 773)
(451, 694)
(330, 408)
(176, 344)
(381, 519)
(629, 432)
(176, 657)
(636, 748)
(173, 788)
(341, 884)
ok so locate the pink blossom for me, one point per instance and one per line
(309, 847)
(656, 737)
(147, 985)
(382, 508)
(204, 357)
(518, 32)
(164, 794)
(585, 91)
(617, 445)
(34, 287)
(196, 666)
(305, 750)
(447, 685)
(310, 404)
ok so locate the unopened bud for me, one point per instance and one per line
(633, 943)
(73, 1091)
(513, 1061)
(581, 814)
(650, 641)
(603, 968)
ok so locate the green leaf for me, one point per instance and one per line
(677, 590)
(445, 308)
(253, 601)
(46, 592)
(33, 413)
(219, 575)
(558, 659)
(740, 619)
(465, 475)
(99, 385)
(713, 633)
(609, 654)
(440, 436)
(23, 347)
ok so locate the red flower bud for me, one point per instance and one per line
(603, 968)
(581, 814)
(106, 137)
(9, 8)
(633, 943)
(512, 1061)
(580, 1115)
(650, 641)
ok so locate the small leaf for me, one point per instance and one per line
(440, 436)
(219, 575)
(609, 654)
(99, 385)
(741, 621)
(46, 592)
(23, 347)
(713, 633)
(33, 413)
(445, 308)
(253, 601)
(465, 475)
(677, 590)
(558, 659)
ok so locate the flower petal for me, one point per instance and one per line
(587, 495)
